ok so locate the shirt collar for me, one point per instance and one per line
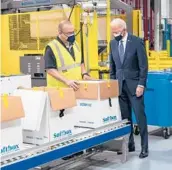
(124, 39)
(60, 41)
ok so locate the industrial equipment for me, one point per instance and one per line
(158, 101)
(34, 65)
(37, 156)
(28, 32)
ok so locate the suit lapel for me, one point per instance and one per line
(128, 46)
(115, 52)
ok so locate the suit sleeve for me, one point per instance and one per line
(143, 63)
(112, 65)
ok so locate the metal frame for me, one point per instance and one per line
(122, 5)
(157, 23)
(10, 4)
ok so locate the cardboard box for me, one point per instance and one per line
(11, 128)
(10, 83)
(102, 89)
(97, 104)
(96, 113)
(20, 81)
(5, 85)
(42, 106)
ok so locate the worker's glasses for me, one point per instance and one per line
(68, 34)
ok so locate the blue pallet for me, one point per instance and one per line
(68, 150)
(158, 99)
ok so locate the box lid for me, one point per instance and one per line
(101, 89)
(11, 108)
(59, 97)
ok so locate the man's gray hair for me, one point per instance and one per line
(118, 22)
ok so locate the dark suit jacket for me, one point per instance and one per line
(135, 66)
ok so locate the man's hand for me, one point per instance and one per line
(139, 91)
(73, 84)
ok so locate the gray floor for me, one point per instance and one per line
(160, 158)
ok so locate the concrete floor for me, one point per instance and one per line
(160, 158)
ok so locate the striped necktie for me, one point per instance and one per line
(121, 51)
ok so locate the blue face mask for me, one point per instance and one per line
(71, 39)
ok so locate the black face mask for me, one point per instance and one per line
(118, 38)
(71, 39)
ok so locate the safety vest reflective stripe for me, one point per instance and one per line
(59, 53)
(65, 68)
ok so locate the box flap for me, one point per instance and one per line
(61, 98)
(109, 89)
(11, 108)
(34, 107)
(87, 90)
(20, 81)
(101, 89)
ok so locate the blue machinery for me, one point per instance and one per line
(158, 100)
(30, 158)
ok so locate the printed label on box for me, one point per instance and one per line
(9, 148)
(85, 104)
(62, 133)
(109, 119)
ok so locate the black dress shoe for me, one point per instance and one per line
(144, 153)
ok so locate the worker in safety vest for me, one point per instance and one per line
(63, 61)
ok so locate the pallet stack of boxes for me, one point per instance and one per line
(12, 113)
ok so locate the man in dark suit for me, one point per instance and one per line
(128, 64)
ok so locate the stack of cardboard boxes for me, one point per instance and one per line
(12, 112)
(11, 128)
(53, 114)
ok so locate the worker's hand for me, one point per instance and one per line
(139, 91)
(73, 84)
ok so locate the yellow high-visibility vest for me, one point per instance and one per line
(69, 68)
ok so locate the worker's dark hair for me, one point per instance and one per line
(61, 25)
